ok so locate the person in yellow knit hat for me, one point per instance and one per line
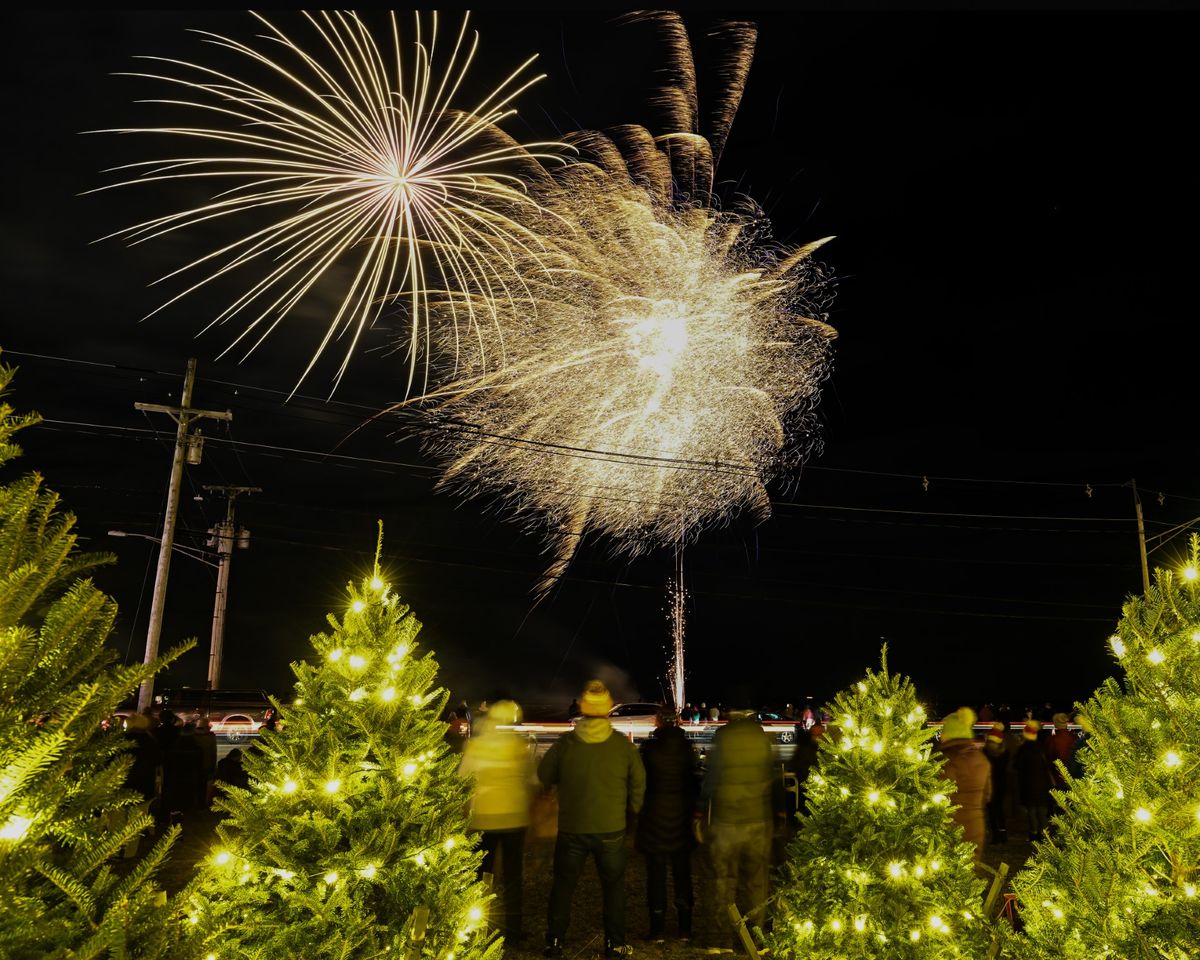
(599, 777)
(972, 775)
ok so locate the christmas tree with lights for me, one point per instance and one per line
(878, 868)
(64, 812)
(1119, 876)
(351, 841)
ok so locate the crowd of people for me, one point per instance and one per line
(608, 790)
(175, 768)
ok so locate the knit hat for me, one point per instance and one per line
(505, 713)
(1031, 729)
(959, 725)
(596, 700)
(1060, 721)
(997, 732)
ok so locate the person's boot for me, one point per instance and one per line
(685, 924)
(617, 951)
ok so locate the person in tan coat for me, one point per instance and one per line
(972, 775)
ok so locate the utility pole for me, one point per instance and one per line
(187, 446)
(1137, 505)
(223, 536)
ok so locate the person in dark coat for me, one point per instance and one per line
(1032, 768)
(206, 740)
(231, 773)
(664, 831)
(142, 777)
(183, 776)
(804, 759)
(996, 749)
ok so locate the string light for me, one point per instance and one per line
(937, 865)
(358, 694)
(1117, 645)
(387, 694)
(333, 786)
(15, 828)
(895, 869)
(1155, 656)
(449, 844)
(331, 877)
(919, 870)
(862, 687)
(938, 798)
(376, 583)
(289, 786)
(357, 661)
(835, 925)
(1196, 636)
(1172, 759)
(873, 796)
(368, 872)
(1189, 890)
(1189, 573)
(409, 769)
(222, 858)
(860, 924)
(1142, 814)
(877, 747)
(335, 655)
(914, 935)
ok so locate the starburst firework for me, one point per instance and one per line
(363, 163)
(673, 360)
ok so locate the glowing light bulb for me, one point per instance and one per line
(1058, 914)
(877, 747)
(358, 694)
(862, 687)
(357, 661)
(935, 864)
(968, 915)
(474, 914)
(835, 925)
(845, 791)
(860, 924)
(376, 583)
(416, 699)
(333, 786)
(935, 921)
(15, 827)
(1117, 645)
(1172, 759)
(420, 859)
(1196, 636)
(289, 786)
(358, 606)
(222, 858)
(409, 769)
(368, 872)
(331, 877)
(895, 869)
(1142, 815)
(1189, 573)
(285, 874)
(449, 844)
(873, 796)
(1189, 890)
(1155, 656)
(211, 956)
(402, 650)
(919, 871)
(914, 935)
(908, 751)
(387, 694)
(938, 798)
(335, 655)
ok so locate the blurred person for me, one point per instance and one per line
(808, 719)
(1074, 766)
(142, 777)
(457, 730)
(664, 831)
(996, 749)
(501, 765)
(740, 798)
(1032, 768)
(1058, 748)
(804, 758)
(971, 773)
(600, 779)
(206, 740)
(986, 713)
(183, 776)
(573, 709)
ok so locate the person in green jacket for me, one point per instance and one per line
(599, 777)
(740, 797)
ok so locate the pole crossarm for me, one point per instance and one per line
(192, 413)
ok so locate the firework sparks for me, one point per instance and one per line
(677, 597)
(363, 164)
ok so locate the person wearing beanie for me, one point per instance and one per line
(995, 748)
(600, 778)
(971, 773)
(664, 831)
(501, 765)
(1032, 768)
(1059, 746)
(740, 797)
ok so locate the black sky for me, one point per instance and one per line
(1015, 198)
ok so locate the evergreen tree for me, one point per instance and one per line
(1120, 874)
(355, 818)
(64, 813)
(878, 868)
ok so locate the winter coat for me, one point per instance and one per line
(599, 776)
(183, 774)
(972, 775)
(1059, 746)
(1033, 774)
(741, 782)
(146, 755)
(1000, 758)
(665, 824)
(501, 765)
(206, 740)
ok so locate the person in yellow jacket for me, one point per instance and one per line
(500, 762)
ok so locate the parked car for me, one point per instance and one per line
(232, 714)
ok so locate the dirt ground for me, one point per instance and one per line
(585, 940)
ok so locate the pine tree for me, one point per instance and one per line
(1120, 874)
(64, 813)
(878, 868)
(355, 818)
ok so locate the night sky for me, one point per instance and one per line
(1015, 197)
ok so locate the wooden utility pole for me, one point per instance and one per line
(225, 534)
(183, 415)
(1137, 505)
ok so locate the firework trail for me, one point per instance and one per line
(355, 160)
(674, 359)
(677, 596)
